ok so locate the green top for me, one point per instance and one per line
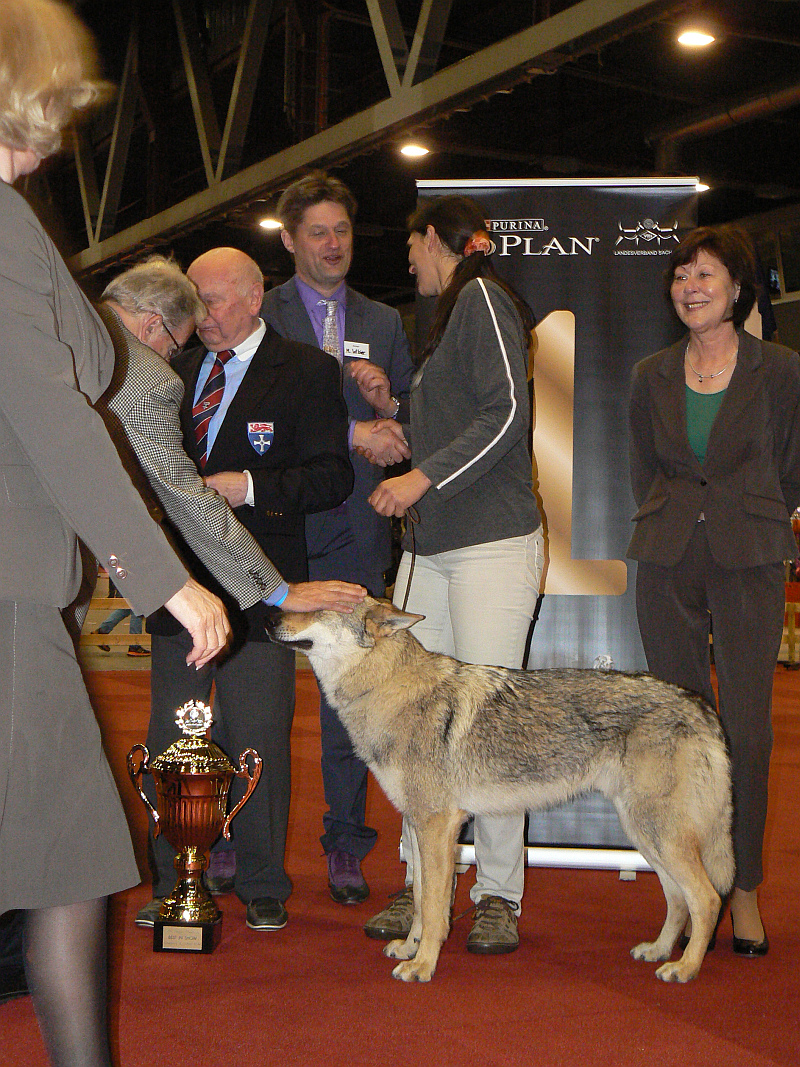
(701, 410)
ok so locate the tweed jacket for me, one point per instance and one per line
(305, 467)
(142, 408)
(380, 327)
(750, 482)
(60, 476)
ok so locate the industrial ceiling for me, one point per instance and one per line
(222, 102)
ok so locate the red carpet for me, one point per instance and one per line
(319, 992)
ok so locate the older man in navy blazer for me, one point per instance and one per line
(272, 438)
(350, 542)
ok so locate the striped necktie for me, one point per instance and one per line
(330, 330)
(207, 403)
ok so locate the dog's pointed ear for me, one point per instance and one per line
(384, 619)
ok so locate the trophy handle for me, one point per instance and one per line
(136, 776)
(244, 772)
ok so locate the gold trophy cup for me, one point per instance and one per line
(192, 778)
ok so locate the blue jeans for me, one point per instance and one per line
(116, 617)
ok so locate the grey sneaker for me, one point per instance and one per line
(147, 915)
(395, 920)
(494, 929)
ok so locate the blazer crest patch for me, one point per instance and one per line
(260, 435)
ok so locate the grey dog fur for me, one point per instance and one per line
(445, 739)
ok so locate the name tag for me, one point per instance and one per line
(356, 350)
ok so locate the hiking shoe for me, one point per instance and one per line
(147, 915)
(395, 920)
(494, 929)
(345, 880)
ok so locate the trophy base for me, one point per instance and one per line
(169, 936)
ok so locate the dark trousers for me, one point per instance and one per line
(676, 606)
(334, 553)
(253, 708)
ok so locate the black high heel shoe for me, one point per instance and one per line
(742, 946)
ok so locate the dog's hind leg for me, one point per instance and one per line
(433, 880)
(687, 889)
(677, 914)
(686, 868)
(667, 839)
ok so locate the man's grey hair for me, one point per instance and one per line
(157, 284)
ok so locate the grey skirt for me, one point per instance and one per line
(63, 833)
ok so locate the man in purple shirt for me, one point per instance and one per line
(318, 307)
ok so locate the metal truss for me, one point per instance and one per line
(416, 94)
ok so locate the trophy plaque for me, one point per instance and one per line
(192, 778)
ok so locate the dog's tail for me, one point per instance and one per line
(717, 851)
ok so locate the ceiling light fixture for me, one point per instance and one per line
(414, 151)
(696, 39)
(270, 224)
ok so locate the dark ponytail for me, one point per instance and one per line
(457, 220)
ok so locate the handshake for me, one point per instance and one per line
(381, 442)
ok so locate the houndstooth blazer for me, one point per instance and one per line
(141, 409)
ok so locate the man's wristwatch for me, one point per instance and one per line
(396, 403)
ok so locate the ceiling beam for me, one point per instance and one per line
(199, 83)
(244, 87)
(427, 43)
(584, 26)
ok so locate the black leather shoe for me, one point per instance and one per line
(743, 947)
(266, 913)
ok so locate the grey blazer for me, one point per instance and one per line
(750, 482)
(379, 326)
(142, 408)
(60, 476)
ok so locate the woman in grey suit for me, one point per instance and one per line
(64, 843)
(715, 467)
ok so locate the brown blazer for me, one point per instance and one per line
(750, 482)
(60, 476)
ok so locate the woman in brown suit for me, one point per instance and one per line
(715, 467)
(64, 843)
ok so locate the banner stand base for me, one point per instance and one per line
(626, 860)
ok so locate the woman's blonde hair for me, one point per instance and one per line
(48, 72)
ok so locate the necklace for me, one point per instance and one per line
(716, 374)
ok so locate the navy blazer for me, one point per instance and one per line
(305, 468)
(379, 326)
(748, 486)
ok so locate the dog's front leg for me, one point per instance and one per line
(433, 880)
(406, 949)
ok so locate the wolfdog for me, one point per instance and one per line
(445, 739)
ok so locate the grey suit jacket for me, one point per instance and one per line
(750, 482)
(60, 476)
(142, 408)
(380, 327)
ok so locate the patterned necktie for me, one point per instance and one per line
(208, 402)
(330, 330)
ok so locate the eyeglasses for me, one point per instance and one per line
(176, 351)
